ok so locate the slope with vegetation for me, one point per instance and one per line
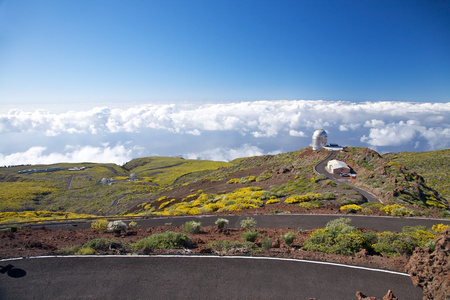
(390, 181)
(433, 166)
(175, 186)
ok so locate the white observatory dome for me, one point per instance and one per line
(319, 139)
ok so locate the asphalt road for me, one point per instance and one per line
(293, 221)
(193, 278)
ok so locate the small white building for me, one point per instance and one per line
(335, 166)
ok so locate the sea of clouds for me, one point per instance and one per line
(217, 131)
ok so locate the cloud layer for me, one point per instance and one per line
(225, 130)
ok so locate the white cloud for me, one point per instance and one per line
(293, 132)
(118, 154)
(226, 154)
(268, 124)
(391, 135)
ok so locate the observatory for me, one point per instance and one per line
(319, 139)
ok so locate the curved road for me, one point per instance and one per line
(129, 277)
(320, 168)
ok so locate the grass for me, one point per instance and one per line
(432, 166)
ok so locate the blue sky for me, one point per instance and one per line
(159, 51)
(113, 80)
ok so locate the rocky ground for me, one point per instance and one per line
(43, 241)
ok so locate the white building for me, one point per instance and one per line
(335, 166)
(319, 139)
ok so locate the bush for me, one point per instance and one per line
(272, 201)
(192, 227)
(327, 196)
(224, 247)
(340, 225)
(166, 240)
(311, 205)
(351, 208)
(288, 238)
(250, 236)
(100, 224)
(69, 250)
(403, 243)
(396, 210)
(85, 251)
(438, 228)
(339, 237)
(221, 222)
(100, 244)
(117, 226)
(248, 223)
(266, 243)
(132, 224)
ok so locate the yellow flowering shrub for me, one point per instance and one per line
(438, 228)
(351, 206)
(302, 198)
(164, 204)
(162, 198)
(37, 216)
(395, 210)
(233, 181)
(272, 201)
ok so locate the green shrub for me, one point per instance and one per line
(13, 228)
(225, 247)
(192, 227)
(444, 214)
(248, 223)
(100, 244)
(288, 238)
(403, 243)
(69, 250)
(250, 236)
(376, 205)
(266, 243)
(327, 196)
(221, 222)
(340, 225)
(166, 240)
(340, 238)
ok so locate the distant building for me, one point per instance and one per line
(336, 167)
(319, 139)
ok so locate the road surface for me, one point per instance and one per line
(294, 221)
(194, 278)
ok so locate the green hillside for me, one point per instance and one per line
(82, 191)
(433, 166)
(177, 186)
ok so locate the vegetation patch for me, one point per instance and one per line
(166, 240)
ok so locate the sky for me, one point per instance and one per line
(108, 81)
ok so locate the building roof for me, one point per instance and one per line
(336, 164)
(320, 133)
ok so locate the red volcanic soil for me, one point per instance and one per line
(37, 241)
